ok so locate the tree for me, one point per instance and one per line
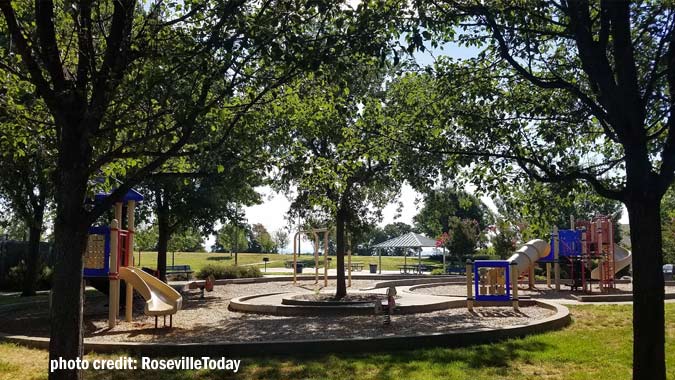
(280, 238)
(108, 75)
(460, 214)
(537, 207)
(263, 238)
(26, 157)
(233, 237)
(441, 205)
(562, 91)
(330, 151)
(145, 238)
(504, 239)
(207, 189)
(186, 240)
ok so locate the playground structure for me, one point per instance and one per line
(497, 280)
(297, 238)
(109, 255)
(586, 243)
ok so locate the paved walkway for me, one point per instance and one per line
(331, 272)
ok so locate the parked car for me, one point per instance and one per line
(668, 271)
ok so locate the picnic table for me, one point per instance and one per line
(410, 268)
(417, 268)
(357, 266)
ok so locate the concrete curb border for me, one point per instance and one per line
(240, 305)
(303, 347)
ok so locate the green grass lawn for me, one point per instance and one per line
(596, 346)
(196, 260)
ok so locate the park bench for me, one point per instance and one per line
(179, 270)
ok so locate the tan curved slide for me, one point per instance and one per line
(622, 259)
(529, 253)
(161, 299)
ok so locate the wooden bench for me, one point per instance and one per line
(179, 270)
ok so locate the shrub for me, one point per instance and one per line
(437, 272)
(230, 271)
(16, 273)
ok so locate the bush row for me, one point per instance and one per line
(14, 279)
(229, 271)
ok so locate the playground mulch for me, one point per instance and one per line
(209, 320)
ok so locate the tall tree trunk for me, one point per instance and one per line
(33, 254)
(70, 242)
(648, 292)
(71, 227)
(341, 219)
(164, 234)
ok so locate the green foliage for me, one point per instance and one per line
(145, 238)
(232, 238)
(16, 274)
(329, 147)
(188, 240)
(460, 214)
(504, 239)
(185, 240)
(12, 227)
(280, 239)
(227, 272)
(668, 226)
(262, 238)
(440, 206)
(535, 208)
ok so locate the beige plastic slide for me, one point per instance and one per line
(529, 253)
(161, 299)
(622, 259)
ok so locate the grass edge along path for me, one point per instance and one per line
(596, 346)
(197, 260)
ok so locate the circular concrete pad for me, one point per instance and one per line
(273, 304)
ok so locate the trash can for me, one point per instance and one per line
(373, 268)
(298, 268)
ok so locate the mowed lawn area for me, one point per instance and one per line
(197, 260)
(596, 346)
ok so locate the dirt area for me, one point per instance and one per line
(349, 298)
(209, 320)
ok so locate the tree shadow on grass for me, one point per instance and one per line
(219, 258)
(388, 366)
